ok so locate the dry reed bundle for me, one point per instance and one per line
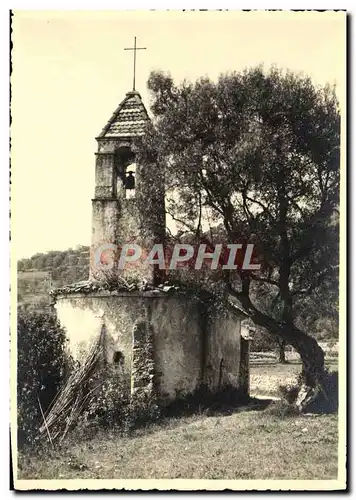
(70, 401)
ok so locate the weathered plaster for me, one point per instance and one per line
(176, 329)
(177, 326)
(222, 349)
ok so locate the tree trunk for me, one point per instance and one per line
(311, 354)
(312, 358)
(287, 314)
(282, 352)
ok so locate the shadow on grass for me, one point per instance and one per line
(226, 402)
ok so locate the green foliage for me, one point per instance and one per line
(50, 261)
(319, 312)
(289, 393)
(262, 341)
(316, 312)
(107, 405)
(282, 409)
(112, 406)
(41, 366)
(246, 147)
(52, 269)
(257, 152)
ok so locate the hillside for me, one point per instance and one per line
(40, 273)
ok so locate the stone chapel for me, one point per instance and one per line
(164, 339)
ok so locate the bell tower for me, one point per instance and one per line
(128, 204)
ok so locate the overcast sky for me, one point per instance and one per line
(70, 72)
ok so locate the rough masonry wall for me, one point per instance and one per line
(105, 176)
(129, 231)
(83, 315)
(175, 323)
(117, 220)
(143, 373)
(222, 349)
(105, 215)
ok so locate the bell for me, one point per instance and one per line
(130, 181)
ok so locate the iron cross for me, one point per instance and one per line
(134, 48)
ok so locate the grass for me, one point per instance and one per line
(243, 445)
(266, 377)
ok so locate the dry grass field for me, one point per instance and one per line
(267, 376)
(244, 445)
(252, 444)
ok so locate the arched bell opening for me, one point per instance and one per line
(130, 181)
(126, 172)
(118, 359)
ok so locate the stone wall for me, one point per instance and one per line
(105, 176)
(175, 331)
(176, 324)
(222, 349)
(83, 316)
(143, 373)
(129, 229)
(117, 220)
(105, 214)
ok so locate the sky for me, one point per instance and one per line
(70, 72)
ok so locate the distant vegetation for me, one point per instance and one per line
(43, 271)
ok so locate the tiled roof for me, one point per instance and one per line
(129, 119)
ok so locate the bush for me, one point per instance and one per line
(41, 364)
(289, 393)
(282, 409)
(107, 405)
(112, 406)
